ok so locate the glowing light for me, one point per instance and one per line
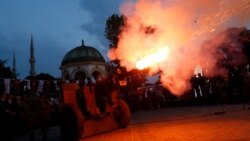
(186, 26)
(152, 59)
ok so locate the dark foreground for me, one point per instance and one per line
(192, 123)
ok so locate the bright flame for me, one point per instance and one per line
(183, 25)
(152, 59)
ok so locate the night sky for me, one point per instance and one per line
(57, 26)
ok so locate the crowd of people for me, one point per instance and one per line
(22, 114)
(30, 111)
(232, 89)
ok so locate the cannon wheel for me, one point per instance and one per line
(122, 113)
(72, 123)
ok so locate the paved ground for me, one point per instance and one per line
(193, 123)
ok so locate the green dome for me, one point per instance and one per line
(82, 54)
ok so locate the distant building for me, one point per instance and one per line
(83, 62)
(32, 58)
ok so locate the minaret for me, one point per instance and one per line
(32, 58)
(14, 66)
(83, 43)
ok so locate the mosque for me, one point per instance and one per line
(79, 63)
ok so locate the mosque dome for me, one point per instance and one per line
(83, 62)
(82, 54)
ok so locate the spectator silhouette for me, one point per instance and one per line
(198, 84)
(5, 122)
(81, 100)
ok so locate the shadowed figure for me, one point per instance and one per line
(5, 122)
(198, 83)
(37, 115)
(81, 100)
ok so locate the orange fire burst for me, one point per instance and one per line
(152, 59)
(183, 26)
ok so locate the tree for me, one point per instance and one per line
(233, 47)
(42, 76)
(113, 28)
(5, 72)
(244, 38)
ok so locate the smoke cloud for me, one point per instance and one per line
(184, 28)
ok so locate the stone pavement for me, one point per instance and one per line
(184, 112)
(191, 123)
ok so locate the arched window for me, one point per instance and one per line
(66, 76)
(96, 75)
(80, 75)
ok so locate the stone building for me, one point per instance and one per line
(83, 62)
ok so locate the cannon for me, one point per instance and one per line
(90, 109)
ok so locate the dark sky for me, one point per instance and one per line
(57, 26)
